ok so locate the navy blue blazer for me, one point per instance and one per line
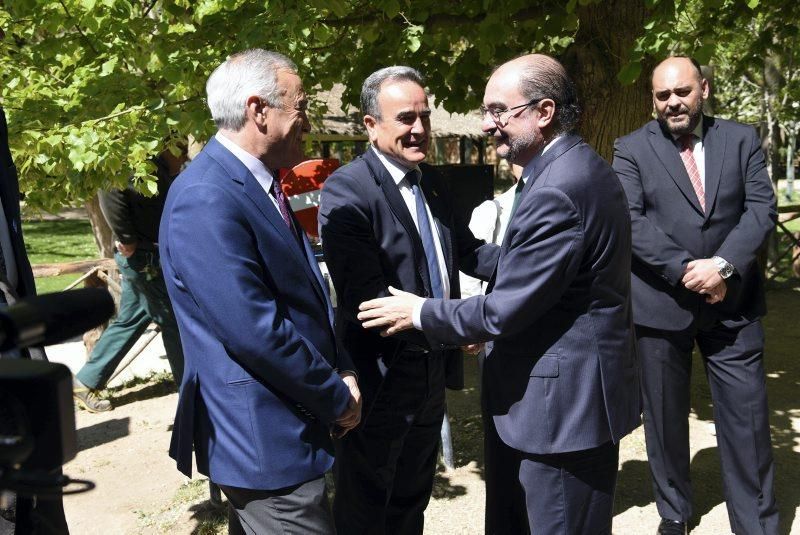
(561, 374)
(370, 243)
(670, 229)
(260, 388)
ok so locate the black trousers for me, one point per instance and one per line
(384, 468)
(733, 360)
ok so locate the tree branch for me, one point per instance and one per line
(75, 23)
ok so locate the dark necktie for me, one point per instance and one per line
(687, 155)
(517, 197)
(283, 203)
(425, 233)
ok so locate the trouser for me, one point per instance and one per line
(385, 467)
(298, 510)
(733, 360)
(144, 300)
(554, 494)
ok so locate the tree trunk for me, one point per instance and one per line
(102, 232)
(599, 52)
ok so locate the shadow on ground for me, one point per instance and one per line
(158, 389)
(102, 433)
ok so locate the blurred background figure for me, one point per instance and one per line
(134, 219)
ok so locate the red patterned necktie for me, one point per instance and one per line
(687, 155)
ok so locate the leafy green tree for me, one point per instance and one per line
(92, 88)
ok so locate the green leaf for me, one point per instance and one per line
(752, 4)
(108, 67)
(629, 73)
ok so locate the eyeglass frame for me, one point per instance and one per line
(497, 115)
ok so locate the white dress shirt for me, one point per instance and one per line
(398, 173)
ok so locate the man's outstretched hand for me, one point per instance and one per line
(390, 314)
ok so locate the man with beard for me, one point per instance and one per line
(386, 220)
(701, 207)
(560, 377)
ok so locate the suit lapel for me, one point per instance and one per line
(400, 211)
(670, 158)
(714, 143)
(253, 190)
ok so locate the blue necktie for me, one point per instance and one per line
(425, 233)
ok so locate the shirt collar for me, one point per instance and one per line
(397, 171)
(528, 169)
(253, 164)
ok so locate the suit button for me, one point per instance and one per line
(705, 226)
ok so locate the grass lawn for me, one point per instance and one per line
(62, 240)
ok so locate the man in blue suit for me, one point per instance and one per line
(702, 205)
(560, 377)
(263, 387)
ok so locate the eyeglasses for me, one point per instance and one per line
(497, 114)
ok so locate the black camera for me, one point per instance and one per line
(37, 419)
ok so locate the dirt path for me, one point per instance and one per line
(140, 491)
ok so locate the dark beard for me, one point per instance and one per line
(695, 116)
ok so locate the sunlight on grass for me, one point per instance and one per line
(63, 240)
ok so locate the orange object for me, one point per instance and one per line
(301, 186)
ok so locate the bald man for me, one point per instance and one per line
(560, 377)
(701, 206)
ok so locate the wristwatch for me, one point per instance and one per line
(724, 267)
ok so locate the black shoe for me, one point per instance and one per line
(672, 527)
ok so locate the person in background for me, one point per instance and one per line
(701, 205)
(134, 219)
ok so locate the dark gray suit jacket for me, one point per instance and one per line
(670, 229)
(561, 374)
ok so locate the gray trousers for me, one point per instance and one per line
(301, 509)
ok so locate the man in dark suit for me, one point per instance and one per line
(701, 206)
(264, 386)
(16, 282)
(386, 219)
(560, 377)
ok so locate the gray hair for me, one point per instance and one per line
(372, 86)
(547, 78)
(244, 74)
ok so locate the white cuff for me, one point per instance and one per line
(416, 315)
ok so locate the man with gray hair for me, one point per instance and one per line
(386, 219)
(264, 386)
(560, 376)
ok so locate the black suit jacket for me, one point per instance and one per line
(9, 194)
(670, 229)
(370, 243)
